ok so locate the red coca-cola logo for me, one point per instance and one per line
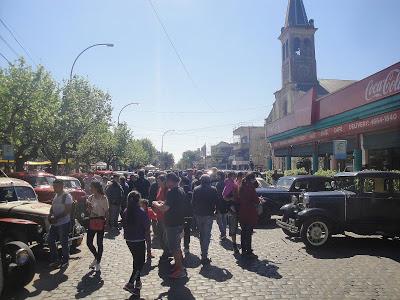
(384, 87)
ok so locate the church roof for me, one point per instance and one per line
(296, 14)
(329, 86)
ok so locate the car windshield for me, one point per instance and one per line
(261, 183)
(347, 183)
(285, 182)
(72, 184)
(41, 180)
(17, 193)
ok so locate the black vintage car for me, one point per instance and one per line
(288, 186)
(365, 203)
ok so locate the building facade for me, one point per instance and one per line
(311, 116)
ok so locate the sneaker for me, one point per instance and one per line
(94, 262)
(205, 261)
(97, 267)
(177, 274)
(129, 287)
(138, 285)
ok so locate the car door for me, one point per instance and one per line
(377, 203)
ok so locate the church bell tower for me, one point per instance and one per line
(298, 48)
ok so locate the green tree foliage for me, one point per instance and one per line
(189, 158)
(150, 150)
(167, 160)
(82, 107)
(29, 99)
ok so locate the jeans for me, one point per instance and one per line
(114, 214)
(186, 232)
(89, 242)
(204, 223)
(138, 254)
(222, 223)
(60, 233)
(162, 235)
(245, 237)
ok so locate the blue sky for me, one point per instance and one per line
(230, 48)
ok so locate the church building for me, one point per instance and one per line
(316, 118)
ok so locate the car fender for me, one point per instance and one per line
(312, 213)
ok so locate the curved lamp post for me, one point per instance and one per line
(162, 138)
(95, 45)
(132, 103)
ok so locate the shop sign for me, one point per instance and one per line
(373, 88)
(383, 121)
(8, 152)
(340, 149)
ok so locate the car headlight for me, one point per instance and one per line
(306, 200)
(39, 229)
(21, 257)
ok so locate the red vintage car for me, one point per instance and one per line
(42, 183)
(73, 186)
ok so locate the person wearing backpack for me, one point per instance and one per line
(115, 195)
(60, 219)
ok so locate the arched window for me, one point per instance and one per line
(296, 47)
(307, 47)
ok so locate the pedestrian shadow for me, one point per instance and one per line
(89, 283)
(191, 261)
(263, 268)
(215, 273)
(111, 235)
(226, 244)
(177, 290)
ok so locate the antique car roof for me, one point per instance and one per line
(304, 176)
(369, 173)
(66, 178)
(6, 182)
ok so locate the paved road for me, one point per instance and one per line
(352, 268)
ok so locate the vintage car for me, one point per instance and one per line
(42, 183)
(24, 218)
(366, 203)
(288, 186)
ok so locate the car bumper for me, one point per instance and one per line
(289, 225)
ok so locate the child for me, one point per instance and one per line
(144, 204)
(136, 225)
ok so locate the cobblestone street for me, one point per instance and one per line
(362, 268)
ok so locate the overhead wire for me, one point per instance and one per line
(9, 46)
(18, 42)
(178, 54)
(3, 56)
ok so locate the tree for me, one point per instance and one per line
(29, 100)
(82, 107)
(189, 158)
(167, 160)
(150, 150)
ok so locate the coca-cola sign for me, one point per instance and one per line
(384, 87)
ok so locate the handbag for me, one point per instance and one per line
(97, 224)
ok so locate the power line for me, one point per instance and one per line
(177, 53)
(15, 38)
(3, 56)
(202, 112)
(9, 46)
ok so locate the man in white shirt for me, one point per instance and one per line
(60, 219)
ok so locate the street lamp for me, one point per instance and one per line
(95, 45)
(162, 139)
(132, 103)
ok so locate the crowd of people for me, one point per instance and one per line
(171, 205)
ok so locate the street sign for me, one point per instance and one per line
(340, 149)
(8, 152)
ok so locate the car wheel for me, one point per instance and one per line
(315, 232)
(19, 264)
(289, 233)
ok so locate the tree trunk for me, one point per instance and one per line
(19, 164)
(54, 167)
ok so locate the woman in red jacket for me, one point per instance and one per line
(248, 216)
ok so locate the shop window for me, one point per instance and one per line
(376, 185)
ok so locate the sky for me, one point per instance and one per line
(229, 47)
